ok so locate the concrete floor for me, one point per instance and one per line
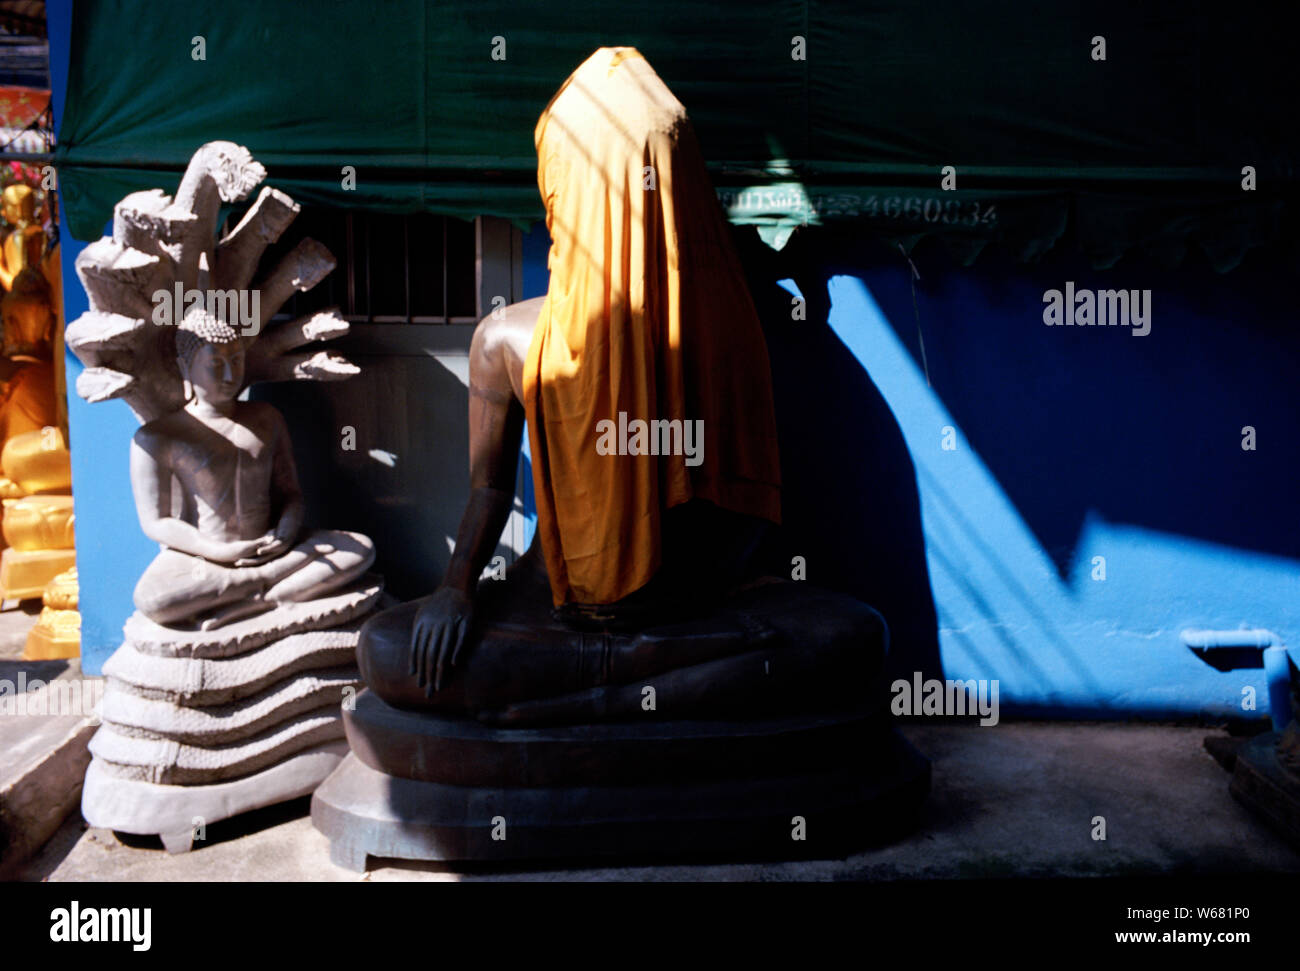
(42, 751)
(1017, 799)
(14, 625)
(24, 738)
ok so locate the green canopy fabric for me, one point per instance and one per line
(434, 106)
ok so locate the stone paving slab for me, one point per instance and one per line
(45, 730)
(14, 625)
(1016, 799)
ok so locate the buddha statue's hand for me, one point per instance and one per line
(235, 552)
(272, 545)
(262, 549)
(439, 636)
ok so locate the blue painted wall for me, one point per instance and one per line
(1071, 443)
(111, 550)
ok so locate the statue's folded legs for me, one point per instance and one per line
(773, 648)
(177, 586)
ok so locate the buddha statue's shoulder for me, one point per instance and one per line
(261, 416)
(154, 436)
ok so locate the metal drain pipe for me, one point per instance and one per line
(1277, 671)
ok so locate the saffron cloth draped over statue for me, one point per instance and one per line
(647, 314)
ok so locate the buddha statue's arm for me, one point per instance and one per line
(496, 422)
(497, 430)
(6, 275)
(286, 494)
(286, 504)
(151, 486)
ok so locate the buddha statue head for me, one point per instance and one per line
(210, 356)
(28, 313)
(19, 204)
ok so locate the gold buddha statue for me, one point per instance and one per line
(35, 468)
(27, 392)
(24, 245)
(38, 524)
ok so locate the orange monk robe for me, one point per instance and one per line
(648, 314)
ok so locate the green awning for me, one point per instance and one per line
(1144, 149)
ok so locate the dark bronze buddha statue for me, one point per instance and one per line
(637, 682)
(647, 323)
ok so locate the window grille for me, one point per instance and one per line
(392, 269)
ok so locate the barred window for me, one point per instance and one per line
(402, 269)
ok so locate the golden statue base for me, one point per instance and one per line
(57, 633)
(25, 573)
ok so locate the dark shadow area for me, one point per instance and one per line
(850, 503)
(42, 864)
(33, 672)
(1230, 658)
(406, 481)
(227, 830)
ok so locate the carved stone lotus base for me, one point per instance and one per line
(214, 723)
(165, 761)
(242, 636)
(1263, 782)
(177, 813)
(197, 682)
(422, 787)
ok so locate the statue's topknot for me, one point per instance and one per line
(198, 328)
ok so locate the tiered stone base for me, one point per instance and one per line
(422, 787)
(175, 812)
(199, 726)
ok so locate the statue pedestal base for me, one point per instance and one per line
(25, 573)
(199, 726)
(56, 635)
(176, 813)
(1261, 784)
(423, 787)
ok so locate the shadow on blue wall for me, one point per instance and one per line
(1084, 491)
(1143, 430)
(850, 505)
